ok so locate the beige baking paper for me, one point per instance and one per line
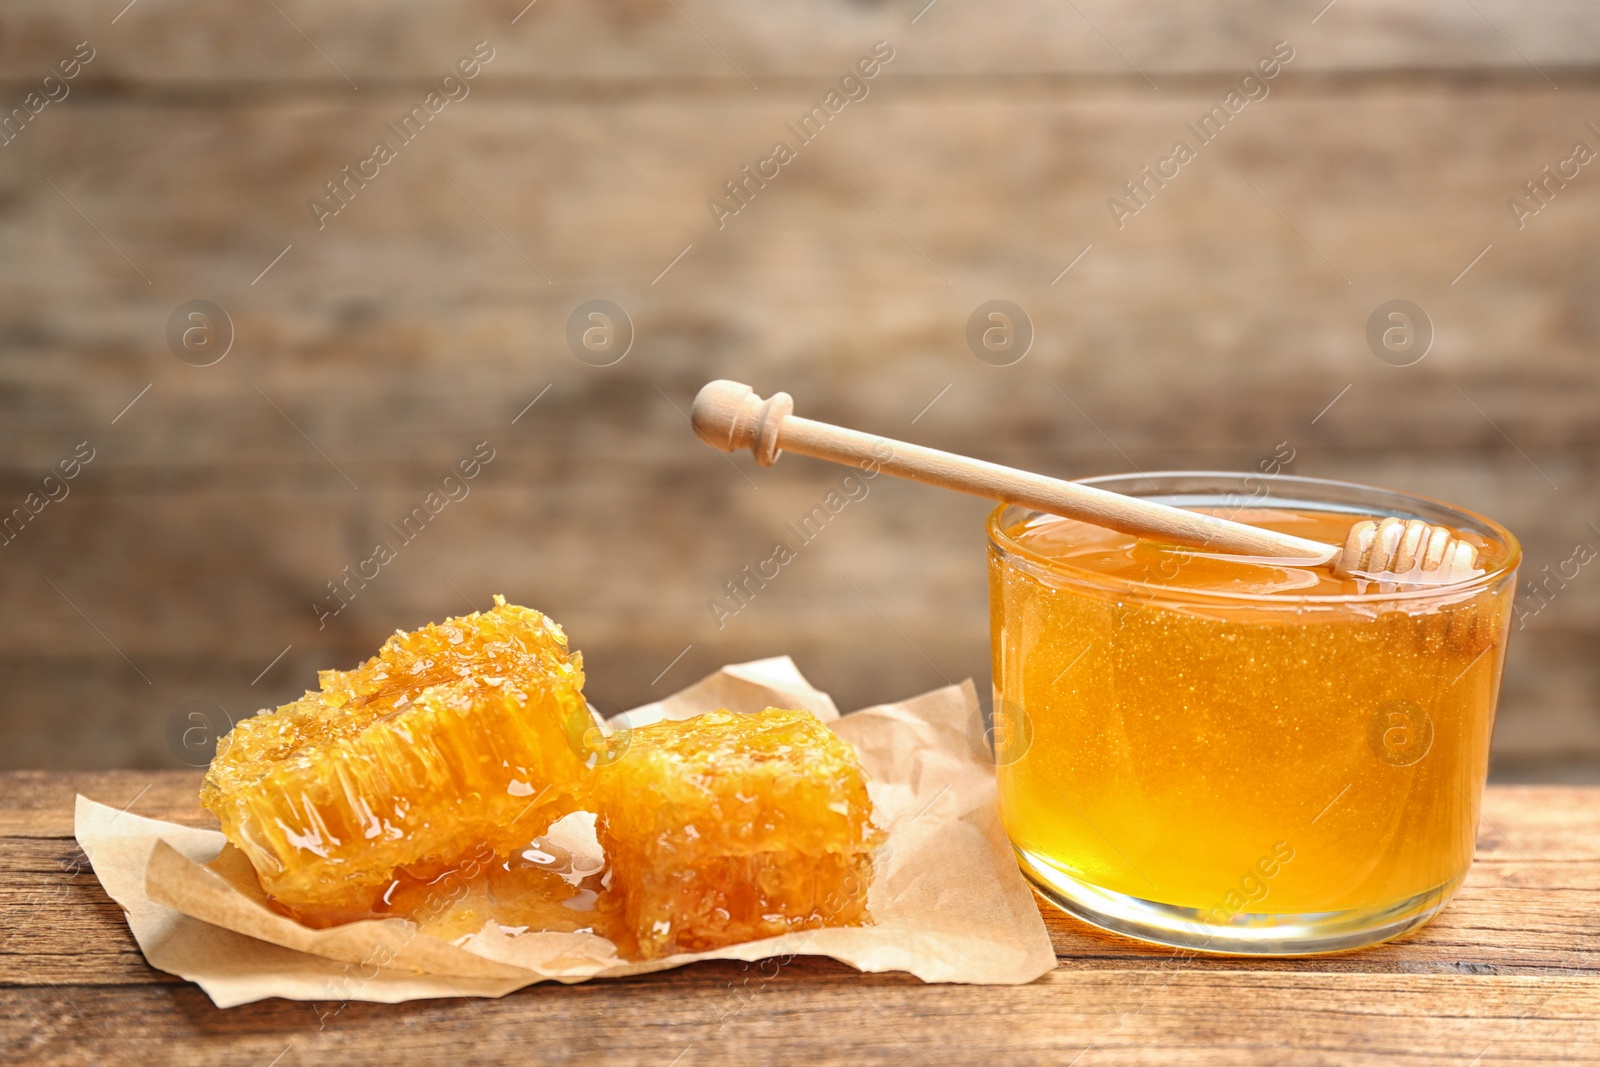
(948, 902)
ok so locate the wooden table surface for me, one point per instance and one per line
(1510, 972)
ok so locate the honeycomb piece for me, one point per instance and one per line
(455, 736)
(727, 828)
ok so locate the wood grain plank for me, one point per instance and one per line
(708, 1016)
(1526, 908)
(1170, 369)
(1136, 376)
(366, 42)
(38, 804)
(1521, 918)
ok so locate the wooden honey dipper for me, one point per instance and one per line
(729, 416)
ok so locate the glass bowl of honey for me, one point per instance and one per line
(1242, 756)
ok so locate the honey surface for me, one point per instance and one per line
(1278, 756)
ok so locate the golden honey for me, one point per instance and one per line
(453, 736)
(726, 828)
(1238, 756)
(420, 784)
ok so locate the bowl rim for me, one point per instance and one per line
(1007, 548)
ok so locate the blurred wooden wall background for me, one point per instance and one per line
(379, 350)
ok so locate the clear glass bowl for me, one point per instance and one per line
(1259, 773)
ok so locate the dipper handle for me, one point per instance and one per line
(730, 416)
